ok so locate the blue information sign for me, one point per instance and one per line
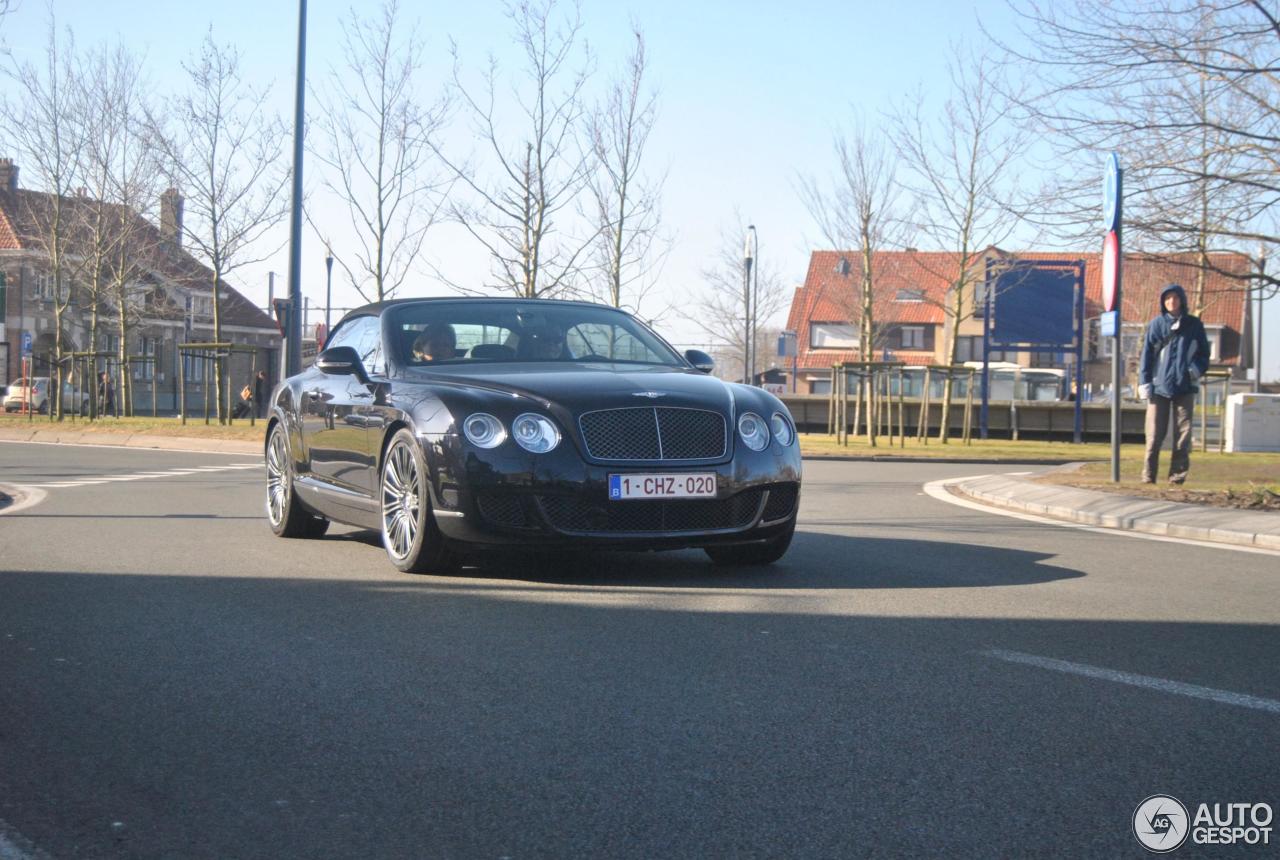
(1108, 323)
(26, 343)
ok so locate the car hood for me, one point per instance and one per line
(581, 387)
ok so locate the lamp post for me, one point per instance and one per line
(748, 259)
(293, 347)
(1257, 344)
(328, 286)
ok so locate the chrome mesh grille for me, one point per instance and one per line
(502, 510)
(571, 514)
(648, 433)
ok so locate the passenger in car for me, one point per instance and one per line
(437, 342)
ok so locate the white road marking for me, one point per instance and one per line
(14, 846)
(938, 490)
(89, 481)
(1195, 691)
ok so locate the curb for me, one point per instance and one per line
(961, 461)
(1113, 511)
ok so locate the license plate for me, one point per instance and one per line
(680, 486)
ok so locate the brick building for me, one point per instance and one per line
(169, 301)
(913, 287)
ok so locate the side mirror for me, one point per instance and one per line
(341, 361)
(700, 360)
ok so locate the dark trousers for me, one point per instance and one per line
(1159, 411)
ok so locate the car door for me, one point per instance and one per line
(332, 426)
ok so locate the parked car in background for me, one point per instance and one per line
(36, 390)
(455, 424)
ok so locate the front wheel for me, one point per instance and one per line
(285, 513)
(755, 553)
(409, 532)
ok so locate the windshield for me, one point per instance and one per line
(432, 333)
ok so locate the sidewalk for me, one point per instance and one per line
(1111, 510)
(71, 436)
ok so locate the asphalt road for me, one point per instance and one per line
(176, 682)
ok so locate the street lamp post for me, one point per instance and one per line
(748, 259)
(328, 286)
(293, 347)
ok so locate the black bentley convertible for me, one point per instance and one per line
(450, 424)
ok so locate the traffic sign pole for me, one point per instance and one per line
(1112, 268)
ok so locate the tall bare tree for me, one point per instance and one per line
(960, 166)
(373, 132)
(222, 148)
(1185, 92)
(538, 162)
(121, 173)
(721, 311)
(44, 125)
(626, 207)
(857, 209)
(127, 170)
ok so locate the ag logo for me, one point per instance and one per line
(1161, 824)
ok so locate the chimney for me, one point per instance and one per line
(171, 216)
(8, 176)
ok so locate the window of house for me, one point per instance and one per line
(150, 348)
(969, 348)
(913, 337)
(909, 296)
(1131, 337)
(1214, 333)
(833, 336)
(43, 290)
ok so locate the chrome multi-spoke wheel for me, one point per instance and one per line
(277, 479)
(409, 532)
(285, 513)
(401, 504)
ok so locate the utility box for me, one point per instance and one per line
(1252, 422)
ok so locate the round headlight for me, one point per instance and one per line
(752, 429)
(535, 433)
(781, 429)
(483, 430)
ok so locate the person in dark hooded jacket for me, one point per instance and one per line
(1175, 354)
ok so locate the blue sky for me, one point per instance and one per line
(750, 94)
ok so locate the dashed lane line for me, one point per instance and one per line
(1178, 688)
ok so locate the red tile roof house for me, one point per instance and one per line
(913, 287)
(175, 304)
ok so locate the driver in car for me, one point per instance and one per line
(544, 343)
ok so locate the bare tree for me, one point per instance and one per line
(1185, 92)
(518, 214)
(721, 308)
(626, 208)
(959, 164)
(222, 148)
(45, 126)
(373, 133)
(856, 209)
(130, 178)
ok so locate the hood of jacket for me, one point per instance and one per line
(1180, 292)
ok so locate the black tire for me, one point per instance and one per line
(753, 553)
(409, 531)
(285, 513)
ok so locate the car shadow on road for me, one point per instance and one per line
(815, 561)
